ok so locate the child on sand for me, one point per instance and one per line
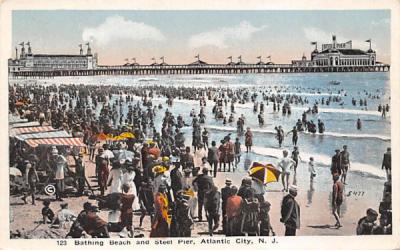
(47, 213)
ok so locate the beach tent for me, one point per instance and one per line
(73, 141)
(42, 135)
(31, 130)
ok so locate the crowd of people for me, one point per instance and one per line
(155, 171)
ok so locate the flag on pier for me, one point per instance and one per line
(259, 57)
(368, 41)
(313, 43)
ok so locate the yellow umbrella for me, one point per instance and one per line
(127, 135)
(265, 173)
(110, 137)
(119, 138)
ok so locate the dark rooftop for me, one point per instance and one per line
(51, 55)
(345, 51)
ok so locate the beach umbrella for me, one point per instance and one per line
(119, 138)
(159, 169)
(127, 135)
(107, 154)
(264, 173)
(15, 172)
(101, 137)
(19, 103)
(124, 154)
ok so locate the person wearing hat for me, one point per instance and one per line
(212, 203)
(176, 178)
(160, 223)
(344, 163)
(161, 177)
(290, 212)
(80, 173)
(337, 199)
(387, 163)
(226, 192)
(367, 224)
(182, 221)
(265, 221)
(201, 184)
(335, 164)
(233, 213)
(60, 166)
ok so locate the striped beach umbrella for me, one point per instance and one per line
(265, 173)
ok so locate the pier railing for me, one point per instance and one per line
(195, 69)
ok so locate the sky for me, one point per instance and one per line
(215, 35)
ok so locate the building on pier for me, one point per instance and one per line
(339, 54)
(48, 62)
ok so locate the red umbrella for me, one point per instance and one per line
(101, 137)
(19, 104)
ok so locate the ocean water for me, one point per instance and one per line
(366, 146)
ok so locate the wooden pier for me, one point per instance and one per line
(195, 69)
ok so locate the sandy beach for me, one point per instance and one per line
(316, 217)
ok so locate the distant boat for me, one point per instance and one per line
(333, 82)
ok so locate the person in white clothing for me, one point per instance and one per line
(286, 164)
(115, 178)
(199, 155)
(128, 179)
(162, 177)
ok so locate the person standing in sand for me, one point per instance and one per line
(337, 199)
(290, 212)
(248, 140)
(286, 164)
(387, 163)
(335, 164)
(344, 163)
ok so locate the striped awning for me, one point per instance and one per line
(56, 141)
(51, 134)
(30, 130)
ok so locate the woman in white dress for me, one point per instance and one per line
(115, 178)
(128, 179)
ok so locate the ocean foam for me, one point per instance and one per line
(320, 159)
(333, 134)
